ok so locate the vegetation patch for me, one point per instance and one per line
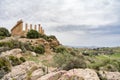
(39, 49)
(4, 33)
(68, 61)
(33, 34)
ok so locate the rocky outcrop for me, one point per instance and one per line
(37, 74)
(21, 72)
(31, 71)
(14, 52)
(74, 74)
(52, 76)
(109, 75)
(40, 41)
(80, 74)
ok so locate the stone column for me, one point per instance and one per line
(39, 26)
(30, 26)
(26, 27)
(35, 27)
(42, 31)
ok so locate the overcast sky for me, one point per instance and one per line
(74, 22)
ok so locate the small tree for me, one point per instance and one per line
(32, 34)
(4, 32)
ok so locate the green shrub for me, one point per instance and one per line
(67, 61)
(14, 60)
(43, 36)
(22, 59)
(5, 64)
(52, 37)
(16, 44)
(98, 64)
(106, 64)
(39, 49)
(60, 49)
(33, 34)
(4, 32)
(75, 63)
(113, 65)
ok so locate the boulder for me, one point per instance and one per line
(14, 52)
(33, 54)
(20, 72)
(52, 76)
(109, 75)
(37, 74)
(80, 74)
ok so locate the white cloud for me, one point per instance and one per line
(58, 13)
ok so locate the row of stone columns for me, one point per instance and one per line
(40, 30)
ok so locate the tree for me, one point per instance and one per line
(4, 32)
(32, 34)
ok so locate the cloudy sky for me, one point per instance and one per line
(74, 22)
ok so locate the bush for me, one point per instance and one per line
(105, 64)
(15, 44)
(4, 32)
(60, 49)
(47, 38)
(5, 66)
(33, 34)
(52, 37)
(75, 63)
(14, 60)
(39, 49)
(7, 62)
(22, 59)
(67, 61)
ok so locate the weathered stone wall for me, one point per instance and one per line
(17, 30)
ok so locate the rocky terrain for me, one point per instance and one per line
(19, 61)
(31, 71)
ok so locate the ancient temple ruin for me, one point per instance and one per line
(17, 30)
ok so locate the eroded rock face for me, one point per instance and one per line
(74, 74)
(14, 52)
(109, 75)
(20, 72)
(40, 41)
(37, 74)
(54, 43)
(52, 76)
(80, 74)
(31, 71)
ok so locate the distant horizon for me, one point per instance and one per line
(73, 22)
(82, 46)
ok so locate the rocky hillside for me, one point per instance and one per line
(46, 59)
(31, 71)
(15, 42)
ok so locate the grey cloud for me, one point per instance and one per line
(99, 30)
(75, 17)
